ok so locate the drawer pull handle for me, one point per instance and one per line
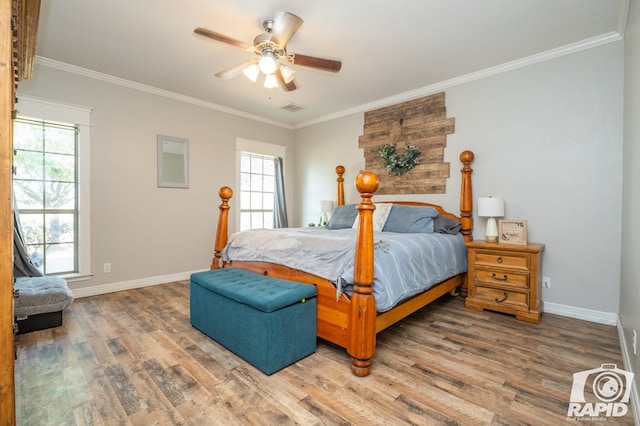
(503, 278)
(506, 295)
(499, 259)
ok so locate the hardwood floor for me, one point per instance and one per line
(132, 358)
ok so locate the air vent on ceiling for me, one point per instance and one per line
(292, 107)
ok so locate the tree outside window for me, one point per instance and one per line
(45, 188)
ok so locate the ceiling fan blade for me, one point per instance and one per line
(288, 87)
(220, 37)
(318, 63)
(235, 70)
(285, 26)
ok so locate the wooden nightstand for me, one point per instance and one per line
(505, 278)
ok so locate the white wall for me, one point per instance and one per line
(548, 138)
(325, 146)
(630, 267)
(149, 234)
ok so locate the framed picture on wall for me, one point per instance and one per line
(173, 162)
(512, 232)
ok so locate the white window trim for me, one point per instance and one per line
(42, 109)
(253, 147)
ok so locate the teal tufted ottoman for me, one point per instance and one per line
(268, 322)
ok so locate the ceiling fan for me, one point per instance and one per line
(271, 48)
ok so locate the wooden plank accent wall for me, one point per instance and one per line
(421, 122)
(7, 395)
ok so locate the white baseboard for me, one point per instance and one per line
(129, 285)
(608, 318)
(635, 398)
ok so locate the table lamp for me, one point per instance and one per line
(491, 207)
(326, 206)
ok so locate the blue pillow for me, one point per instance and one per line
(446, 225)
(410, 219)
(343, 217)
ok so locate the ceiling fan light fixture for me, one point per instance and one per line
(267, 64)
(270, 49)
(287, 74)
(270, 82)
(251, 72)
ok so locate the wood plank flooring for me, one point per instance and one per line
(132, 358)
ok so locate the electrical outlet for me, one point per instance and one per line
(635, 343)
(107, 268)
(546, 282)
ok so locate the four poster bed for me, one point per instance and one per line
(348, 314)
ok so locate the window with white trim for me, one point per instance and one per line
(46, 191)
(257, 180)
(59, 115)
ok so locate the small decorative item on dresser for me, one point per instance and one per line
(513, 232)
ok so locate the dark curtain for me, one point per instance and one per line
(22, 265)
(280, 206)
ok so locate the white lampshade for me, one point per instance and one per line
(267, 65)
(491, 207)
(326, 206)
(251, 72)
(270, 81)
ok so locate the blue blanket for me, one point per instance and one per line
(405, 264)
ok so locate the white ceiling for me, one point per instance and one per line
(390, 51)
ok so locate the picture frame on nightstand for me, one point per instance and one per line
(512, 232)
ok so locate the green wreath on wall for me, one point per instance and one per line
(399, 164)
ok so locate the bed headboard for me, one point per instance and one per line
(466, 196)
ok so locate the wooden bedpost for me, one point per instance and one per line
(362, 318)
(340, 172)
(466, 205)
(466, 196)
(222, 233)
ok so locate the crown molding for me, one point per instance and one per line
(487, 72)
(62, 66)
(623, 13)
(402, 97)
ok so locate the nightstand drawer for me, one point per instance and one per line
(497, 298)
(502, 260)
(505, 278)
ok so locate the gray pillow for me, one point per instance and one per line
(414, 219)
(343, 217)
(446, 225)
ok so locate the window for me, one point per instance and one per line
(257, 180)
(45, 188)
(256, 183)
(70, 231)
